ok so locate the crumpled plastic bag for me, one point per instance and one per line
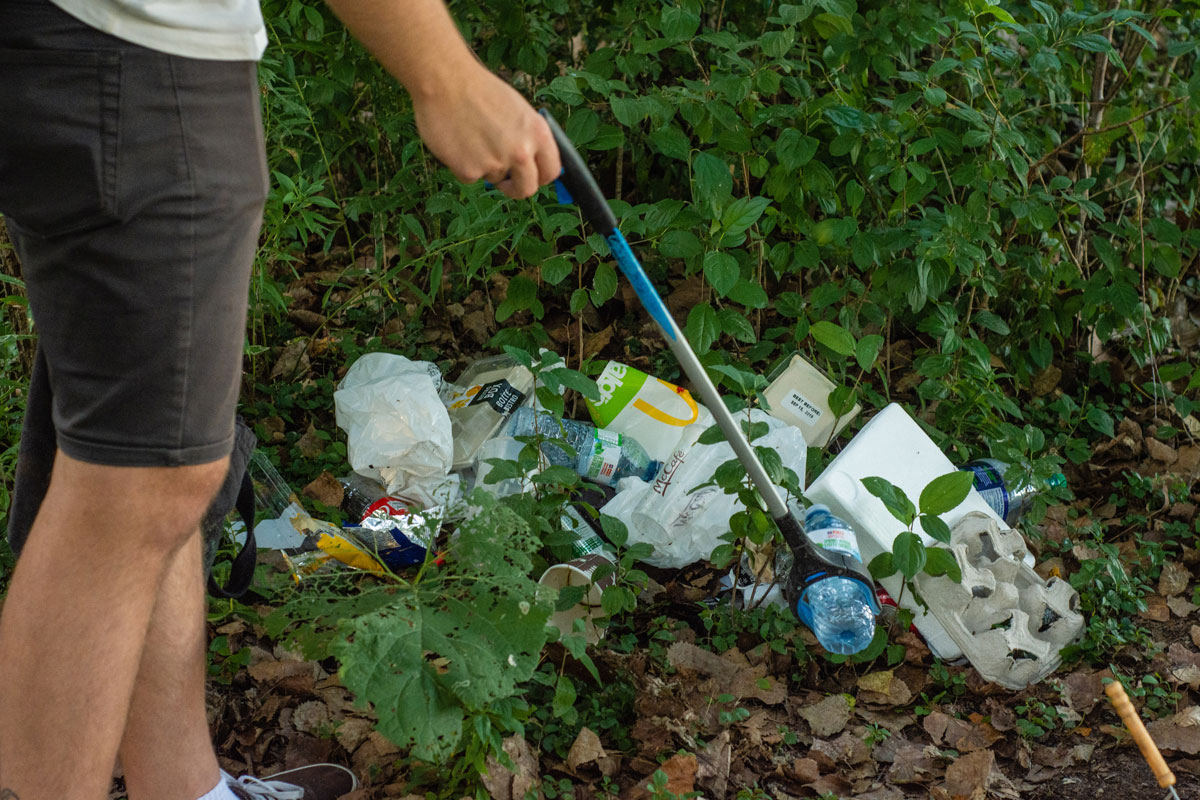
(397, 430)
(685, 526)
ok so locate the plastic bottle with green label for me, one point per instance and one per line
(600, 456)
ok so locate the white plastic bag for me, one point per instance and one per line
(397, 429)
(682, 525)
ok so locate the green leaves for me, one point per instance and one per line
(440, 651)
(833, 336)
(896, 502)
(795, 149)
(945, 492)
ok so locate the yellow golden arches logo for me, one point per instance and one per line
(657, 414)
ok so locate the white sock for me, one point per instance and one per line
(221, 791)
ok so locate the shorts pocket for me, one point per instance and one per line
(58, 139)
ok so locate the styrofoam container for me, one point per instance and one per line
(892, 446)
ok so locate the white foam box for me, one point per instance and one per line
(892, 446)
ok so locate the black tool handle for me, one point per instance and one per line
(579, 183)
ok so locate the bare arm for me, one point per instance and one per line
(475, 123)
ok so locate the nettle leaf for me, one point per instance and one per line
(945, 492)
(908, 554)
(721, 270)
(939, 561)
(893, 499)
(833, 336)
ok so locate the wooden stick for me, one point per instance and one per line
(1125, 710)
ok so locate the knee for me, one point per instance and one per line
(160, 507)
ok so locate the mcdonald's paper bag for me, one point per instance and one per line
(645, 408)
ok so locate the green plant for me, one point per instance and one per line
(876, 734)
(1036, 718)
(909, 555)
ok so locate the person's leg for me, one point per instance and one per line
(168, 694)
(76, 618)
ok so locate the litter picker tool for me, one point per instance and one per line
(577, 185)
(1125, 710)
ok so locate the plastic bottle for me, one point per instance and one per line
(365, 498)
(837, 609)
(1007, 501)
(601, 456)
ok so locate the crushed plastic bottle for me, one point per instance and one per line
(600, 456)
(839, 610)
(1007, 501)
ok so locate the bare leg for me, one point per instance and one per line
(167, 750)
(76, 617)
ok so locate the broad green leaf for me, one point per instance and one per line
(721, 270)
(680, 244)
(795, 149)
(742, 213)
(937, 530)
(842, 400)
(882, 566)
(999, 13)
(679, 24)
(945, 492)
(712, 183)
(908, 554)
(833, 336)
(939, 561)
(1101, 420)
(556, 269)
(712, 434)
(830, 25)
(776, 44)
(702, 327)
(867, 350)
(749, 293)
(734, 323)
(893, 499)
(604, 283)
(672, 142)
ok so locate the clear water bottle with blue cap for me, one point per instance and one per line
(600, 455)
(839, 610)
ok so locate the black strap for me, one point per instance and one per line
(241, 572)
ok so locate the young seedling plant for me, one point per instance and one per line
(910, 555)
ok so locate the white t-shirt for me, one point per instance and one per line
(221, 30)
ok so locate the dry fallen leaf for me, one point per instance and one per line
(585, 750)
(505, 784)
(829, 716)
(1174, 579)
(1156, 609)
(967, 775)
(325, 489)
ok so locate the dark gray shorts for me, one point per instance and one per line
(132, 183)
